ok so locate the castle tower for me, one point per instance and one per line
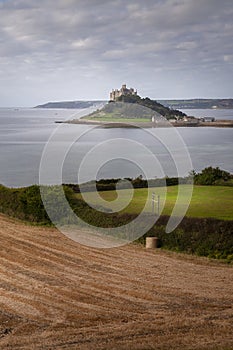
(123, 91)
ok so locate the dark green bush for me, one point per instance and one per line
(204, 237)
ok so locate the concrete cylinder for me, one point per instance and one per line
(151, 242)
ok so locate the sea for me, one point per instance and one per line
(35, 149)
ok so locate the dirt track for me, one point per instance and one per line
(55, 294)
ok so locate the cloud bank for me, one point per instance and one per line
(73, 49)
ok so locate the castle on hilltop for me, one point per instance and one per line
(123, 91)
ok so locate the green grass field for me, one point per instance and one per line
(121, 120)
(207, 201)
(110, 118)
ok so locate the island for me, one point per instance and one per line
(126, 108)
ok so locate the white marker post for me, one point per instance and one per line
(153, 203)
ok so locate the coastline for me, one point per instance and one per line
(121, 124)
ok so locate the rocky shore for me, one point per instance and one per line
(160, 124)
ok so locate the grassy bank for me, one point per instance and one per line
(118, 120)
(201, 235)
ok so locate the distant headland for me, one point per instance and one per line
(71, 104)
(199, 103)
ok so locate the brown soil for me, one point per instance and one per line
(56, 294)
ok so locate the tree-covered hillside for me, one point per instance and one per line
(152, 104)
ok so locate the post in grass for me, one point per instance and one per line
(155, 199)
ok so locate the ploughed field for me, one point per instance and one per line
(57, 294)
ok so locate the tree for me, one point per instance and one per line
(210, 176)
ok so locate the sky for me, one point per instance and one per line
(81, 49)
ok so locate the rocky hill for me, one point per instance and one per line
(133, 108)
(166, 112)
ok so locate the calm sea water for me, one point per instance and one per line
(25, 132)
